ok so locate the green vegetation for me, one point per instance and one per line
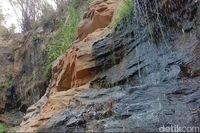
(67, 31)
(62, 41)
(3, 128)
(4, 85)
(124, 10)
(66, 35)
(7, 84)
(37, 39)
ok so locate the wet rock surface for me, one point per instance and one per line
(142, 81)
(140, 108)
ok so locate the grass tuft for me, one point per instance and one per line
(65, 37)
(67, 32)
(3, 128)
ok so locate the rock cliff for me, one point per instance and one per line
(22, 82)
(137, 78)
(77, 67)
(6, 67)
(29, 60)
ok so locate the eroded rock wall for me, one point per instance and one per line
(99, 15)
(146, 76)
(22, 82)
(29, 65)
(77, 66)
(6, 67)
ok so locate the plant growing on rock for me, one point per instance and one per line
(3, 128)
(67, 31)
(7, 84)
(66, 35)
(124, 10)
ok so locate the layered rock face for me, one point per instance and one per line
(77, 67)
(146, 76)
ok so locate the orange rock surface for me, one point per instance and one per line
(99, 16)
(77, 67)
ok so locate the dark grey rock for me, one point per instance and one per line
(198, 35)
(139, 82)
